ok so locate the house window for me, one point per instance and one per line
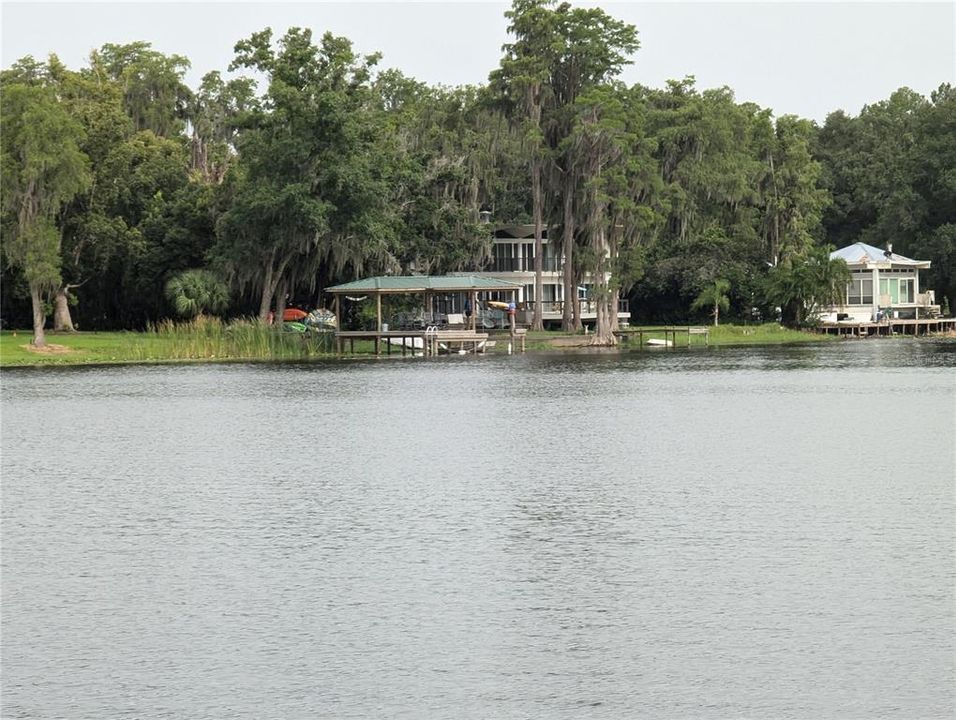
(906, 290)
(552, 261)
(860, 291)
(898, 290)
(505, 257)
(528, 262)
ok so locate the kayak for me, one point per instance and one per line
(293, 315)
(498, 305)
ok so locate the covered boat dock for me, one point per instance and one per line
(429, 328)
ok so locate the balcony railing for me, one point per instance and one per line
(549, 264)
(924, 299)
(588, 307)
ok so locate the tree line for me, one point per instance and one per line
(128, 196)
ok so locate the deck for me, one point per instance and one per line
(431, 340)
(887, 327)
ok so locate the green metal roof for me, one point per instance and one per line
(421, 283)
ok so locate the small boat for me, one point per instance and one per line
(294, 315)
(463, 348)
(657, 342)
(415, 343)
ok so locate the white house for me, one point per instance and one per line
(512, 259)
(883, 284)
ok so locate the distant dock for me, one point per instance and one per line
(670, 333)
(888, 327)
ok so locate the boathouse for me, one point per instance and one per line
(448, 309)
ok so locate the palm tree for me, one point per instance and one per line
(194, 292)
(804, 284)
(830, 278)
(715, 296)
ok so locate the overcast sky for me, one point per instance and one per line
(803, 58)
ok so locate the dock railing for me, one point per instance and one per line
(670, 334)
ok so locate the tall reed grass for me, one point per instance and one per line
(209, 338)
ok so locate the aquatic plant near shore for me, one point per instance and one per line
(206, 337)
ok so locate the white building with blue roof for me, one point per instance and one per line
(883, 284)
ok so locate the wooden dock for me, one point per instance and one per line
(465, 340)
(431, 340)
(670, 334)
(888, 327)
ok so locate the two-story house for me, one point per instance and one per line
(512, 259)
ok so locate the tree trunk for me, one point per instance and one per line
(265, 300)
(602, 324)
(577, 324)
(716, 313)
(200, 156)
(603, 334)
(280, 300)
(272, 279)
(775, 241)
(614, 244)
(62, 321)
(39, 317)
(567, 319)
(537, 321)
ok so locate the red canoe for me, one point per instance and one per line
(293, 314)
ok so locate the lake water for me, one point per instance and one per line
(717, 533)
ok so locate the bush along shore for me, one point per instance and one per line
(211, 340)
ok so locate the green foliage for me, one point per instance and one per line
(334, 168)
(804, 284)
(313, 189)
(42, 170)
(891, 173)
(154, 94)
(560, 55)
(196, 292)
(450, 156)
(202, 339)
(713, 296)
(712, 158)
(217, 112)
(210, 338)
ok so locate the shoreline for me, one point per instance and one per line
(90, 349)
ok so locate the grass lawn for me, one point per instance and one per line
(767, 334)
(78, 348)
